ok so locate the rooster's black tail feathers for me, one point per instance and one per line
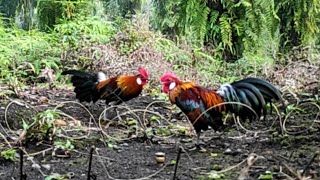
(253, 92)
(85, 85)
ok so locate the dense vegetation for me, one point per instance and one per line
(208, 36)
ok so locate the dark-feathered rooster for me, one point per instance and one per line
(194, 100)
(92, 87)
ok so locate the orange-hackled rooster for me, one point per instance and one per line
(194, 100)
(92, 87)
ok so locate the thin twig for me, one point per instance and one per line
(302, 131)
(31, 159)
(90, 162)
(244, 171)
(177, 163)
(5, 139)
(309, 163)
(22, 175)
(7, 108)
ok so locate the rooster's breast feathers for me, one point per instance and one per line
(189, 96)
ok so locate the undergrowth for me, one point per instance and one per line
(32, 57)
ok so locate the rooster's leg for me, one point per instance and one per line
(199, 145)
(196, 146)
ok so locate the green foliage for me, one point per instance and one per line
(266, 176)
(63, 144)
(25, 53)
(231, 27)
(42, 126)
(122, 8)
(50, 13)
(56, 176)
(47, 118)
(235, 28)
(85, 31)
(299, 22)
(9, 154)
(173, 53)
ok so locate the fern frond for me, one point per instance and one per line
(226, 31)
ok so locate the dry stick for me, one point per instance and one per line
(91, 119)
(31, 159)
(299, 132)
(295, 96)
(186, 153)
(286, 175)
(104, 133)
(6, 110)
(102, 157)
(90, 162)
(237, 123)
(262, 131)
(280, 119)
(5, 139)
(291, 170)
(146, 110)
(309, 163)
(232, 167)
(131, 112)
(22, 175)
(244, 171)
(75, 102)
(41, 152)
(238, 103)
(219, 105)
(177, 163)
(4, 130)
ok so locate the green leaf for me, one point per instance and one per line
(266, 176)
(9, 154)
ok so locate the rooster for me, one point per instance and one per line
(92, 87)
(204, 107)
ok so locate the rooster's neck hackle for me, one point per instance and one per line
(180, 86)
(129, 84)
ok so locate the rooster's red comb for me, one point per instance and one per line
(166, 76)
(143, 72)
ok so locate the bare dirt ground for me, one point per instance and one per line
(133, 157)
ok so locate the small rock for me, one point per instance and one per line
(239, 150)
(228, 151)
(116, 147)
(226, 144)
(36, 166)
(173, 120)
(186, 140)
(125, 144)
(46, 166)
(202, 150)
(119, 150)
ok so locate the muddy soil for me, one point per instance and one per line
(133, 157)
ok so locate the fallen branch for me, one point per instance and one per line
(244, 173)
